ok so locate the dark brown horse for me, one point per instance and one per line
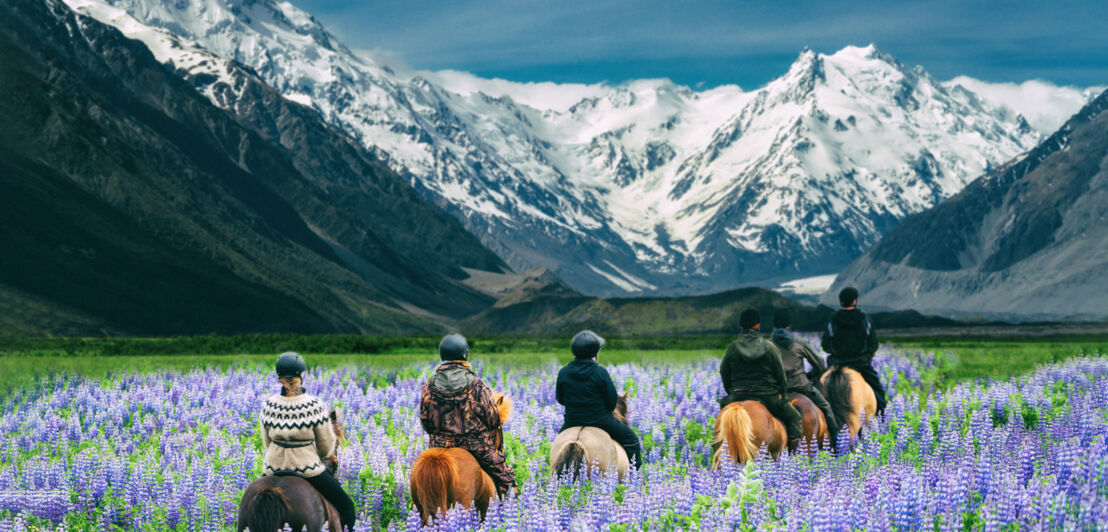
(442, 478)
(273, 500)
(813, 421)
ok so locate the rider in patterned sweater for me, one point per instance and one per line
(296, 429)
(457, 410)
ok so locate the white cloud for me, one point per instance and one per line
(542, 95)
(1044, 105)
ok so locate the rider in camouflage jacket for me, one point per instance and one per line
(457, 410)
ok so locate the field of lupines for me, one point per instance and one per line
(173, 451)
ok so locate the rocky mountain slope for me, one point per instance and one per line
(642, 188)
(1029, 240)
(130, 204)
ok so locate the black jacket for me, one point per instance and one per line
(849, 338)
(752, 366)
(586, 390)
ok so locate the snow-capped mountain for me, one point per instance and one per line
(645, 187)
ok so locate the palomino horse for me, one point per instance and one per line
(578, 448)
(274, 500)
(746, 426)
(814, 423)
(849, 396)
(442, 477)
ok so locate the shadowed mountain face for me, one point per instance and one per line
(130, 204)
(1029, 240)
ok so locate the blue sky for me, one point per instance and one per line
(710, 43)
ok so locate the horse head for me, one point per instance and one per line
(621, 409)
(332, 462)
(503, 405)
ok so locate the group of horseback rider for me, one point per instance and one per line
(457, 409)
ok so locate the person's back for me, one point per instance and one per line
(751, 370)
(752, 366)
(456, 409)
(794, 353)
(298, 437)
(589, 396)
(586, 390)
(851, 341)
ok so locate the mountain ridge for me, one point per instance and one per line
(138, 207)
(1026, 241)
(648, 188)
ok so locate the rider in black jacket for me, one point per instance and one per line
(586, 390)
(852, 342)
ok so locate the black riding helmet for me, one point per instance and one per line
(290, 364)
(586, 344)
(453, 347)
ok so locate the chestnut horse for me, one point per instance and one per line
(579, 448)
(849, 396)
(442, 477)
(746, 426)
(274, 500)
(813, 421)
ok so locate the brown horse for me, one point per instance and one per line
(849, 396)
(274, 500)
(814, 423)
(746, 426)
(442, 478)
(578, 448)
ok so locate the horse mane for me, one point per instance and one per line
(621, 410)
(736, 428)
(268, 510)
(503, 405)
(432, 476)
(837, 384)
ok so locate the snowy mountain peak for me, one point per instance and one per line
(644, 187)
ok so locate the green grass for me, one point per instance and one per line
(962, 359)
(983, 358)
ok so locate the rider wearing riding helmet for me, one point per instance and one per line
(296, 429)
(457, 410)
(586, 390)
(751, 370)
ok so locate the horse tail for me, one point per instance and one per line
(432, 475)
(571, 459)
(268, 510)
(838, 395)
(737, 429)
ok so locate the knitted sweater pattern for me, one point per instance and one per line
(297, 434)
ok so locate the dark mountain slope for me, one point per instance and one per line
(1027, 241)
(133, 205)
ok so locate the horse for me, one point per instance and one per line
(814, 423)
(577, 448)
(746, 426)
(442, 478)
(274, 500)
(849, 396)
